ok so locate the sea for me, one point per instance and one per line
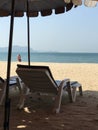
(55, 57)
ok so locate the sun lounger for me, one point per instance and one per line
(12, 84)
(39, 79)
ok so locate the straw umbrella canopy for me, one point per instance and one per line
(17, 8)
(45, 7)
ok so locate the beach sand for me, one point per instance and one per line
(37, 115)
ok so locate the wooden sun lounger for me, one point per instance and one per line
(40, 79)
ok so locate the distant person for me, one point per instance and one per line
(19, 58)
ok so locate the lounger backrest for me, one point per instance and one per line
(37, 78)
(1, 82)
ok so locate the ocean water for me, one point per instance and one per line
(54, 57)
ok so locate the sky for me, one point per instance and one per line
(72, 31)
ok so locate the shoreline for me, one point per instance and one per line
(76, 57)
(85, 73)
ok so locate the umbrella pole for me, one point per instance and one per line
(7, 99)
(28, 35)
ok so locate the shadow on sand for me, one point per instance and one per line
(37, 115)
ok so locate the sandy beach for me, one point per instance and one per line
(81, 115)
(86, 74)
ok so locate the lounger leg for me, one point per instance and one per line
(22, 95)
(69, 89)
(74, 92)
(3, 95)
(58, 100)
(80, 91)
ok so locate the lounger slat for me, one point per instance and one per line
(38, 81)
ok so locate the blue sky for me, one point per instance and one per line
(72, 31)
